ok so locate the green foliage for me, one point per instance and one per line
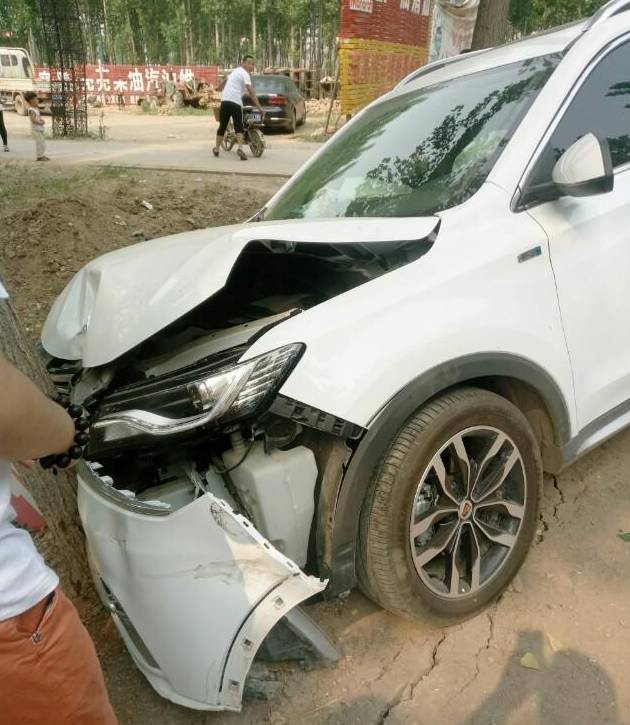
(288, 32)
(527, 16)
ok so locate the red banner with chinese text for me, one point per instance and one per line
(381, 41)
(134, 82)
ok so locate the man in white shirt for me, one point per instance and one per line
(238, 84)
(49, 671)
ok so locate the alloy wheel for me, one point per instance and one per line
(467, 512)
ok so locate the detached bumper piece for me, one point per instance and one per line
(193, 592)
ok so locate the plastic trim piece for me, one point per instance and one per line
(105, 490)
(312, 417)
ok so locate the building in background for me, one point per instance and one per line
(381, 41)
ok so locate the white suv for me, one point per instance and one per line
(367, 380)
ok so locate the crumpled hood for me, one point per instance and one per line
(122, 298)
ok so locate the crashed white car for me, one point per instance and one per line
(364, 383)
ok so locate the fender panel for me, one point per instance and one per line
(382, 429)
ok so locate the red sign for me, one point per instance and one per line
(381, 41)
(134, 82)
(397, 21)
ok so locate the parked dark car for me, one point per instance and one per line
(282, 102)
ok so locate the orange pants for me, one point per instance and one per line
(49, 671)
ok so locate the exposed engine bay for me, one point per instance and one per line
(204, 487)
(178, 415)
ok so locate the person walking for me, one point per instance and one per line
(49, 671)
(3, 129)
(37, 125)
(238, 84)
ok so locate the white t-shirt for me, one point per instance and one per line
(35, 114)
(24, 578)
(236, 86)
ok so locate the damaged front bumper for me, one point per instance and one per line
(193, 588)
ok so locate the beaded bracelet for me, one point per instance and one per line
(75, 452)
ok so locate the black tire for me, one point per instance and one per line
(256, 143)
(386, 569)
(293, 122)
(302, 121)
(229, 142)
(20, 105)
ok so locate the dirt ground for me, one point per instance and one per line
(54, 220)
(568, 611)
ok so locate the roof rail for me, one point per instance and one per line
(438, 65)
(610, 9)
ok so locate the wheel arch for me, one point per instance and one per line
(521, 381)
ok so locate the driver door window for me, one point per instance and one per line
(602, 106)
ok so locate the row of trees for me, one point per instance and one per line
(278, 32)
(527, 16)
(500, 20)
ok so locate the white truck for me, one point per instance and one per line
(17, 77)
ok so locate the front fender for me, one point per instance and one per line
(343, 533)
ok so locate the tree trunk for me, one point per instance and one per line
(62, 542)
(108, 39)
(491, 27)
(254, 28)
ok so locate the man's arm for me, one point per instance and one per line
(252, 94)
(31, 425)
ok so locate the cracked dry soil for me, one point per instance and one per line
(572, 595)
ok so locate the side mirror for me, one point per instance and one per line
(585, 169)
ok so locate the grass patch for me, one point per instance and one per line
(19, 182)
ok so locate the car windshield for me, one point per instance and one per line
(269, 84)
(418, 153)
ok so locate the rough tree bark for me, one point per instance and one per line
(491, 27)
(62, 543)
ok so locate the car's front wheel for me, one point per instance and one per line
(452, 509)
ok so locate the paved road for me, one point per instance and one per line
(152, 144)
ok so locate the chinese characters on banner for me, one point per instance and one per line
(381, 41)
(134, 82)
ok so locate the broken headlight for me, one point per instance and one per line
(189, 400)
